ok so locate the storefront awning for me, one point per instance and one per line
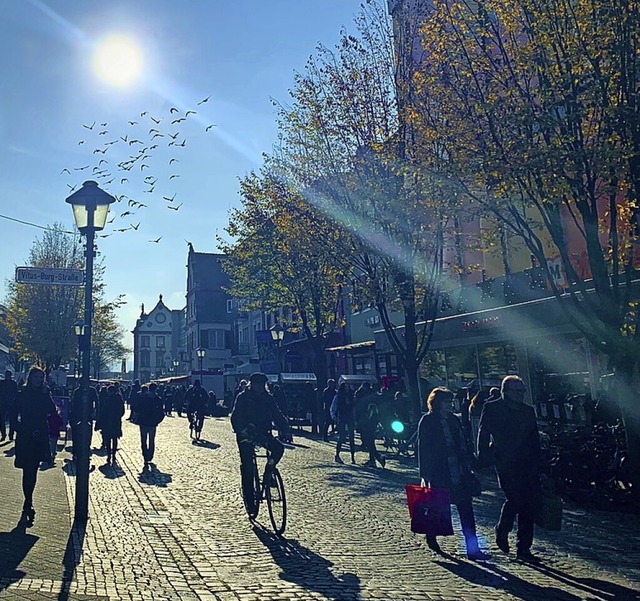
(352, 347)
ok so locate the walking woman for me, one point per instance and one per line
(444, 461)
(33, 404)
(112, 410)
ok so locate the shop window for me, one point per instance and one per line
(462, 366)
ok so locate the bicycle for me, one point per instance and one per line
(271, 489)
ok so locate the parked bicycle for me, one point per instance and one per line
(271, 489)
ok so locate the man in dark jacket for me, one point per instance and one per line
(8, 393)
(254, 414)
(149, 413)
(508, 437)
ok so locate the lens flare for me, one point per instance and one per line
(117, 60)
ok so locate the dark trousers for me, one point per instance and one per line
(521, 494)
(468, 523)
(29, 477)
(346, 431)
(3, 422)
(111, 444)
(369, 443)
(326, 422)
(148, 442)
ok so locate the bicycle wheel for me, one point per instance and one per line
(251, 497)
(276, 501)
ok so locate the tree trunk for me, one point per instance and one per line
(320, 367)
(413, 389)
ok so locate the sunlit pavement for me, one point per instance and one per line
(180, 532)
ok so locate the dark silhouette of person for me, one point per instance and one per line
(8, 393)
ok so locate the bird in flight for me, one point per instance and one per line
(174, 161)
(81, 168)
(173, 109)
(100, 150)
(80, 142)
(176, 207)
(71, 188)
(174, 176)
(89, 126)
(135, 227)
(189, 113)
(156, 121)
(65, 170)
(174, 136)
(112, 219)
(178, 120)
(126, 213)
(103, 133)
(104, 124)
(156, 240)
(169, 199)
(124, 179)
(133, 123)
(143, 113)
(143, 166)
(210, 126)
(204, 100)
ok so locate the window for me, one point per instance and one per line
(160, 341)
(159, 358)
(145, 341)
(212, 339)
(229, 305)
(145, 358)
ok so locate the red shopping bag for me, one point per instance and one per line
(429, 510)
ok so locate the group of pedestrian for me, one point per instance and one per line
(507, 437)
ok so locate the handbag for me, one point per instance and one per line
(548, 511)
(429, 510)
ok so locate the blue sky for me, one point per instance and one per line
(237, 54)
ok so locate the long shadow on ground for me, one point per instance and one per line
(308, 569)
(14, 547)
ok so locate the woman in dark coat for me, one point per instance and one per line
(33, 404)
(111, 412)
(444, 460)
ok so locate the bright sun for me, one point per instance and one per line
(117, 60)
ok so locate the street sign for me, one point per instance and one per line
(49, 277)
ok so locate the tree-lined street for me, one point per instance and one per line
(180, 532)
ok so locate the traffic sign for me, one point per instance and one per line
(49, 276)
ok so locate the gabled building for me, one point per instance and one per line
(156, 341)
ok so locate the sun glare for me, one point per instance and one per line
(117, 60)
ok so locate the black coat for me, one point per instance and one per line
(436, 459)
(260, 409)
(508, 437)
(32, 436)
(111, 412)
(149, 409)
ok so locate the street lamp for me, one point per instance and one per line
(200, 353)
(90, 207)
(277, 335)
(176, 365)
(78, 328)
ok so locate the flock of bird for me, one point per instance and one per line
(143, 160)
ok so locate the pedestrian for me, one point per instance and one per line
(131, 399)
(369, 424)
(327, 398)
(196, 399)
(178, 399)
(475, 411)
(508, 438)
(34, 403)
(150, 412)
(168, 400)
(343, 413)
(8, 393)
(445, 461)
(111, 422)
(75, 411)
(55, 423)
(363, 397)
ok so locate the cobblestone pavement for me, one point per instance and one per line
(180, 532)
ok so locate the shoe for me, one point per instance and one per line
(338, 459)
(382, 460)
(353, 460)
(29, 513)
(478, 556)
(432, 543)
(502, 540)
(527, 556)
(369, 464)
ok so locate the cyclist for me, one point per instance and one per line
(254, 414)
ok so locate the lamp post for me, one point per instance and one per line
(90, 207)
(277, 335)
(200, 353)
(176, 365)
